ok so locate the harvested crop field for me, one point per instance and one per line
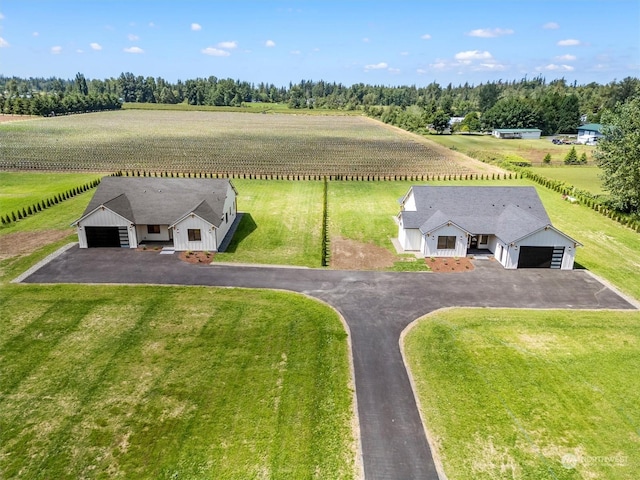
(225, 143)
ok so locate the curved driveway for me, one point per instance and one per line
(377, 306)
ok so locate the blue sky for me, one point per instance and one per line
(374, 42)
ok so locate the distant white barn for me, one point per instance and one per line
(508, 222)
(193, 214)
(517, 133)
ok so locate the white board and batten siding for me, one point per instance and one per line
(104, 217)
(547, 237)
(229, 213)
(430, 246)
(143, 234)
(208, 239)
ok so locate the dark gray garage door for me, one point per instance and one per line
(535, 257)
(103, 237)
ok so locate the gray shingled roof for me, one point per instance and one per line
(161, 201)
(507, 212)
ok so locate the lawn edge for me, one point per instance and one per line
(435, 453)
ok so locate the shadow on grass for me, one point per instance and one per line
(246, 227)
(577, 266)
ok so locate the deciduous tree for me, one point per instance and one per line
(618, 155)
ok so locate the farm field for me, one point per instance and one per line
(250, 107)
(533, 150)
(582, 177)
(225, 143)
(529, 394)
(169, 382)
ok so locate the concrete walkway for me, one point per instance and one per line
(377, 306)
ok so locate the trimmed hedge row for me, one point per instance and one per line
(325, 224)
(355, 178)
(46, 203)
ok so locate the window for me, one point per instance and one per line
(446, 243)
(194, 234)
(484, 239)
(153, 228)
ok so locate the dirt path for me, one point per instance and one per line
(22, 243)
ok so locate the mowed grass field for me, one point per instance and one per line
(513, 394)
(583, 177)
(167, 382)
(533, 150)
(20, 189)
(223, 143)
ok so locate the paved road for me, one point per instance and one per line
(377, 306)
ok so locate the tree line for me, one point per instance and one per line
(553, 106)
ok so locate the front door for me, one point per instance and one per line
(474, 242)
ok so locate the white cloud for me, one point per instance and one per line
(566, 58)
(151, 24)
(269, 43)
(295, 52)
(366, 40)
(376, 66)
(493, 67)
(36, 34)
(196, 27)
(551, 26)
(552, 67)
(426, 36)
(421, 71)
(466, 57)
(570, 42)
(1, 16)
(133, 38)
(79, 50)
(490, 32)
(56, 50)
(229, 45)
(95, 46)
(3, 43)
(440, 65)
(133, 50)
(394, 70)
(215, 52)
(404, 54)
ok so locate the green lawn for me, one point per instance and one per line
(282, 223)
(585, 178)
(167, 382)
(514, 394)
(20, 189)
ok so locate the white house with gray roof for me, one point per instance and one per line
(510, 223)
(193, 214)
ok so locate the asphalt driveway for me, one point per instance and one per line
(377, 307)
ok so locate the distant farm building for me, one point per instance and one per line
(519, 133)
(589, 134)
(188, 214)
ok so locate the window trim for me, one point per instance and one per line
(194, 234)
(153, 229)
(444, 244)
